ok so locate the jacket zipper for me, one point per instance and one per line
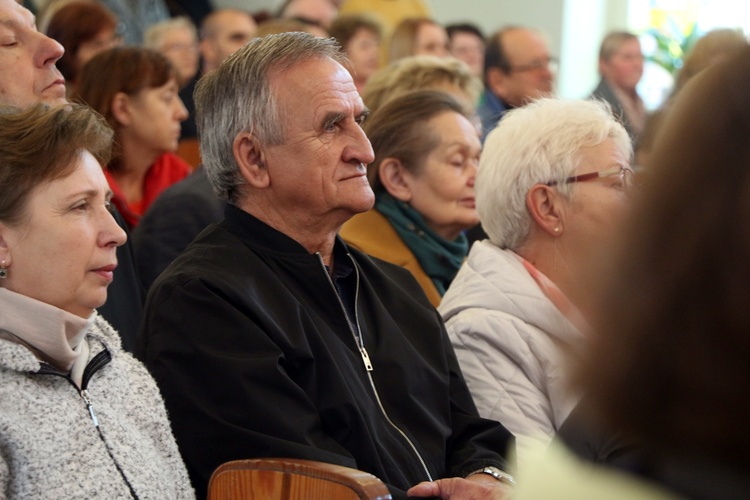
(359, 341)
(96, 363)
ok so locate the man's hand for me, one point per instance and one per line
(456, 488)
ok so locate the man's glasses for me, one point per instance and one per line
(626, 175)
(549, 63)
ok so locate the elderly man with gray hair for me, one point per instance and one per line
(268, 336)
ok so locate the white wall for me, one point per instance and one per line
(575, 29)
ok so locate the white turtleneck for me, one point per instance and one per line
(53, 335)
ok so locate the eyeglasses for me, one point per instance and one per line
(181, 47)
(549, 63)
(103, 43)
(626, 175)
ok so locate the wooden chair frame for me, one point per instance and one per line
(292, 479)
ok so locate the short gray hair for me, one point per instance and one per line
(155, 34)
(612, 43)
(237, 97)
(537, 143)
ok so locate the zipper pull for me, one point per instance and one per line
(366, 358)
(90, 406)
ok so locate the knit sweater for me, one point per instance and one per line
(50, 446)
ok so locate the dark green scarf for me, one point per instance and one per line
(439, 257)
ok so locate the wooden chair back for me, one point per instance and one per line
(189, 150)
(292, 479)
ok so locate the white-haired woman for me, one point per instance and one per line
(554, 179)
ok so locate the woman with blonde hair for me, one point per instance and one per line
(417, 36)
(360, 38)
(422, 73)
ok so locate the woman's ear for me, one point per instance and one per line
(547, 208)
(121, 108)
(250, 159)
(395, 179)
(4, 247)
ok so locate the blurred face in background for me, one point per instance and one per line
(363, 51)
(181, 48)
(469, 48)
(230, 30)
(625, 67)
(105, 39)
(531, 73)
(150, 120)
(431, 40)
(322, 12)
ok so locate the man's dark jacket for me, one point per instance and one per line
(172, 222)
(254, 355)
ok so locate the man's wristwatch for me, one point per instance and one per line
(498, 474)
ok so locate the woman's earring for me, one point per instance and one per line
(3, 270)
(557, 230)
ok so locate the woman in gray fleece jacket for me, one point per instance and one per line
(79, 417)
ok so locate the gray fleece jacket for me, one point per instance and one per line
(50, 446)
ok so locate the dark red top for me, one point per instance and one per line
(166, 170)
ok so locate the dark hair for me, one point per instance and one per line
(40, 144)
(454, 28)
(74, 24)
(121, 69)
(399, 130)
(494, 55)
(669, 361)
(344, 28)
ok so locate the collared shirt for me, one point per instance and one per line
(345, 281)
(491, 110)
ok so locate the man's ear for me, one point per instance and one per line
(120, 108)
(547, 209)
(496, 81)
(207, 49)
(250, 159)
(395, 179)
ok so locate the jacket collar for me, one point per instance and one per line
(257, 234)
